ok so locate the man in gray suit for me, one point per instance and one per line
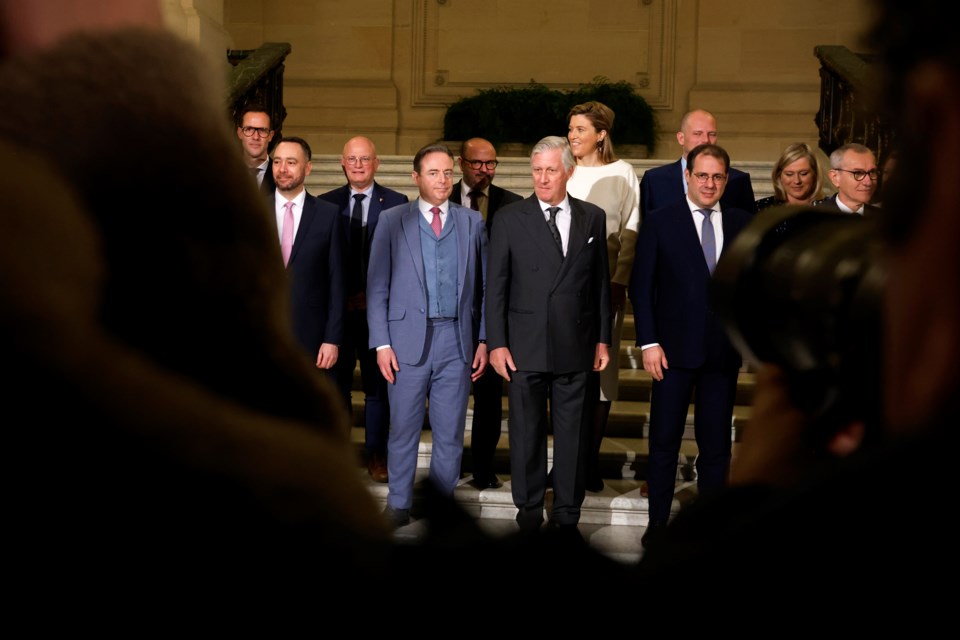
(548, 325)
(425, 315)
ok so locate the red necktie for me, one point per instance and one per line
(435, 223)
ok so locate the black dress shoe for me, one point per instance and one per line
(593, 483)
(396, 518)
(654, 532)
(567, 532)
(482, 482)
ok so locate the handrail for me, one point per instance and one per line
(256, 76)
(847, 113)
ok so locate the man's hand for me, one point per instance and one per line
(387, 361)
(654, 362)
(601, 358)
(502, 361)
(328, 355)
(479, 362)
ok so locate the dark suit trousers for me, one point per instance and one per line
(487, 416)
(529, 394)
(713, 414)
(376, 406)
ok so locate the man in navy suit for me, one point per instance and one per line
(478, 164)
(666, 184)
(684, 343)
(425, 315)
(548, 325)
(315, 262)
(360, 202)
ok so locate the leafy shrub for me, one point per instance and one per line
(528, 113)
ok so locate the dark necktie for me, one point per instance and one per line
(552, 222)
(355, 266)
(475, 200)
(708, 240)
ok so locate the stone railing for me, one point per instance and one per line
(257, 77)
(847, 83)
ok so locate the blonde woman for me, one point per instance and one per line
(612, 185)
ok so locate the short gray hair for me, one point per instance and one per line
(555, 142)
(836, 158)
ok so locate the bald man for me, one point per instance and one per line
(360, 202)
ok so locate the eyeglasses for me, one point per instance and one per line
(859, 175)
(249, 131)
(717, 178)
(476, 164)
(364, 160)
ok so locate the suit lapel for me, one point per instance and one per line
(689, 236)
(578, 237)
(537, 229)
(411, 233)
(462, 228)
(306, 219)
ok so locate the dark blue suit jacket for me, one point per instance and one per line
(316, 273)
(662, 186)
(669, 288)
(383, 199)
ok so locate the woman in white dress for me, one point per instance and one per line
(612, 185)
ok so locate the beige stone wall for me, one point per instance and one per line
(200, 22)
(388, 68)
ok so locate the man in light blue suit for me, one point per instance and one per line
(425, 288)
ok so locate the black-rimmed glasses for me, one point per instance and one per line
(249, 131)
(476, 164)
(859, 174)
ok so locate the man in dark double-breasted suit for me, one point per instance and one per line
(548, 325)
(684, 343)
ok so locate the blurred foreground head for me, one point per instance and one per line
(921, 214)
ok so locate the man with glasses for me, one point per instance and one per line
(255, 133)
(425, 314)
(684, 344)
(478, 164)
(360, 203)
(855, 175)
(665, 185)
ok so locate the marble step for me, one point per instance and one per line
(612, 520)
(628, 418)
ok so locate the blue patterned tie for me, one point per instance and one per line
(708, 240)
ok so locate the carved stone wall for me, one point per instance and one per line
(388, 68)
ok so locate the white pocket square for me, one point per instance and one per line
(590, 240)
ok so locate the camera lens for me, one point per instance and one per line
(801, 287)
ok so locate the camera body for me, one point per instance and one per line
(801, 287)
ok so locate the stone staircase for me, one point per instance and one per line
(623, 454)
(619, 506)
(513, 174)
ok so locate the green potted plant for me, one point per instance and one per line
(523, 115)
